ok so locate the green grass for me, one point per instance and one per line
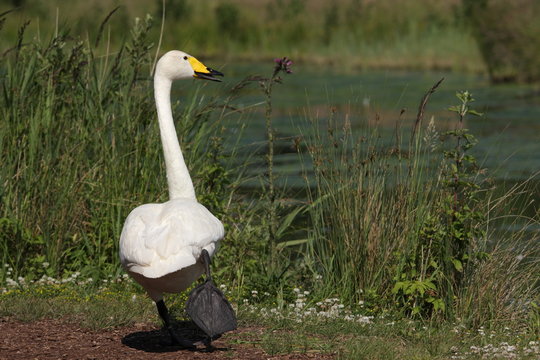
(85, 305)
(120, 303)
(73, 126)
(375, 226)
(346, 34)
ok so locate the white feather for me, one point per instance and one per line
(160, 244)
(159, 239)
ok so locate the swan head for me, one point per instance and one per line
(176, 65)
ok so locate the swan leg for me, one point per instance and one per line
(164, 314)
(206, 261)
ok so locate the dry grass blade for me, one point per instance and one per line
(422, 107)
(102, 26)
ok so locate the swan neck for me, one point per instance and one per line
(179, 181)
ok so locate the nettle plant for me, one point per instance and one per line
(275, 226)
(446, 246)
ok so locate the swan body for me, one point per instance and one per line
(161, 244)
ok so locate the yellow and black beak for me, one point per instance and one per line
(208, 74)
(203, 72)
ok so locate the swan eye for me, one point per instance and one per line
(185, 57)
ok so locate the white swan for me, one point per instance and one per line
(161, 245)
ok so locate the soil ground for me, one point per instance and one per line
(57, 339)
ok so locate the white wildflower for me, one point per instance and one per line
(366, 101)
(365, 319)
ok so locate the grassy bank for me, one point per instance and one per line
(399, 227)
(458, 35)
(347, 34)
(303, 326)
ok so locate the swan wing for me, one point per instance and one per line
(159, 239)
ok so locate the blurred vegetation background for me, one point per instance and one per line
(492, 36)
(398, 221)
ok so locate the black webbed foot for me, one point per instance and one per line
(208, 347)
(208, 307)
(175, 339)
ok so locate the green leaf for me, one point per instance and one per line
(475, 113)
(288, 220)
(398, 286)
(457, 265)
(285, 244)
(438, 304)
(430, 285)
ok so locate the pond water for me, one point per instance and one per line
(508, 134)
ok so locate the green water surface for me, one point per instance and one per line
(508, 134)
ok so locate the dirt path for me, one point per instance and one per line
(54, 339)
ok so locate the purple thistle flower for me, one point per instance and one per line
(283, 64)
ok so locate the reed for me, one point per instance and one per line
(368, 199)
(379, 222)
(347, 33)
(409, 227)
(80, 147)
